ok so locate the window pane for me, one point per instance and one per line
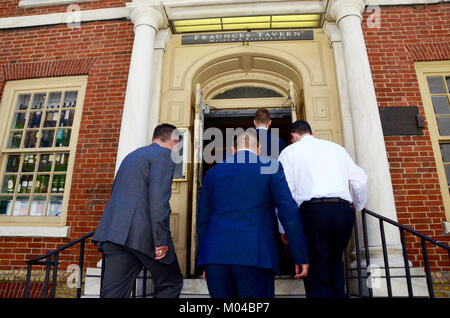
(54, 100)
(38, 101)
(58, 183)
(5, 205)
(9, 183)
(47, 138)
(448, 83)
(23, 101)
(21, 206)
(13, 163)
(29, 162)
(14, 139)
(35, 120)
(38, 206)
(70, 99)
(55, 206)
(19, 121)
(45, 162)
(41, 185)
(447, 173)
(436, 84)
(440, 105)
(63, 137)
(444, 125)
(61, 161)
(25, 184)
(66, 118)
(51, 119)
(30, 139)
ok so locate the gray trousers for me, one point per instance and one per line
(123, 265)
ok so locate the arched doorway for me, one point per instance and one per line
(228, 92)
(293, 79)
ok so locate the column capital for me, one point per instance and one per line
(343, 8)
(146, 15)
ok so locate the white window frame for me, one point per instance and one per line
(40, 225)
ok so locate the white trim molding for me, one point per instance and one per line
(34, 231)
(64, 18)
(41, 3)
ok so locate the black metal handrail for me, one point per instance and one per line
(52, 259)
(402, 228)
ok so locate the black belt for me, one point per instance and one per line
(327, 200)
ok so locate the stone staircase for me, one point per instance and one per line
(192, 287)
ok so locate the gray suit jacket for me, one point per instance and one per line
(137, 214)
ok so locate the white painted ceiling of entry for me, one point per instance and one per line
(247, 70)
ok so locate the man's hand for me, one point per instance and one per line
(304, 272)
(161, 252)
(284, 239)
(204, 275)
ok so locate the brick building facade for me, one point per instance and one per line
(101, 49)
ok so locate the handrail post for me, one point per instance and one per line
(47, 274)
(358, 260)
(405, 259)
(28, 281)
(427, 268)
(366, 248)
(386, 260)
(55, 274)
(81, 262)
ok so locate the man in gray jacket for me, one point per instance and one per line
(134, 230)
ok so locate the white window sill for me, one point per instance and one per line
(34, 231)
(40, 3)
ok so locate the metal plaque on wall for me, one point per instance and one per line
(401, 120)
(254, 36)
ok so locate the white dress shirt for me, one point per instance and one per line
(317, 168)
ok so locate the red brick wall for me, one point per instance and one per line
(408, 34)
(103, 50)
(10, 8)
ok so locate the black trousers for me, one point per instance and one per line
(238, 281)
(328, 227)
(122, 267)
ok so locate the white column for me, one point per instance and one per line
(134, 128)
(368, 136)
(341, 77)
(158, 54)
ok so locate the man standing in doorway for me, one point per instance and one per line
(271, 146)
(134, 230)
(318, 173)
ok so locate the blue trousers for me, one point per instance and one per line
(328, 227)
(236, 281)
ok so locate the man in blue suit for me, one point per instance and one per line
(237, 225)
(134, 230)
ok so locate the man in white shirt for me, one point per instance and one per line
(319, 173)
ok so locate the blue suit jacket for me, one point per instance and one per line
(138, 211)
(236, 221)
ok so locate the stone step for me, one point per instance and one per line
(192, 287)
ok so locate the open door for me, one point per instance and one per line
(199, 122)
(292, 101)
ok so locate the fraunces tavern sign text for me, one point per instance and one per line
(287, 35)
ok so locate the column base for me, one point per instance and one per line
(377, 282)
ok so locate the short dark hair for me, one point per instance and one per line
(262, 116)
(164, 132)
(300, 127)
